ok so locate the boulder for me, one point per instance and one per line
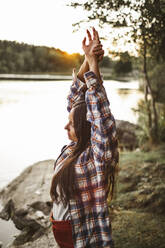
(126, 132)
(27, 203)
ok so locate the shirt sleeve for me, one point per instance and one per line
(76, 92)
(103, 128)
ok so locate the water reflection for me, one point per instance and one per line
(124, 91)
(8, 232)
(33, 115)
(123, 98)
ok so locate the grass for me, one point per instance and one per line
(132, 229)
(157, 154)
(137, 214)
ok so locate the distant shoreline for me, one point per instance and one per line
(43, 77)
(60, 76)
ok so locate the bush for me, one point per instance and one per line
(123, 67)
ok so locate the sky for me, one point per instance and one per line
(49, 23)
(41, 22)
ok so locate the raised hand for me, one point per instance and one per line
(92, 51)
(94, 48)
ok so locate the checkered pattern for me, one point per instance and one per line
(89, 212)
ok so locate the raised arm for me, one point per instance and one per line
(103, 129)
(78, 87)
(90, 56)
(97, 51)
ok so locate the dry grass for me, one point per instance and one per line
(137, 214)
(132, 229)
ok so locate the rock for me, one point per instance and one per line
(6, 213)
(29, 211)
(35, 178)
(37, 192)
(40, 215)
(126, 132)
(31, 229)
(8, 245)
(45, 207)
(21, 212)
(44, 241)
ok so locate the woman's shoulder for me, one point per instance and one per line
(86, 155)
(65, 152)
(68, 147)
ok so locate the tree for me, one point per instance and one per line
(106, 62)
(124, 65)
(144, 22)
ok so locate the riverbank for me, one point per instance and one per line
(108, 75)
(35, 77)
(137, 213)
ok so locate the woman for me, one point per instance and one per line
(85, 170)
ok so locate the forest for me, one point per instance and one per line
(23, 58)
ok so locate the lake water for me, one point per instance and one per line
(33, 115)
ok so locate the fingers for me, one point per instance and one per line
(100, 52)
(95, 35)
(100, 57)
(98, 47)
(84, 42)
(89, 35)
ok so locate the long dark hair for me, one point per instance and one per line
(112, 168)
(65, 177)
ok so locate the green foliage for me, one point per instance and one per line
(106, 62)
(122, 67)
(22, 58)
(161, 122)
(157, 76)
(144, 22)
(144, 133)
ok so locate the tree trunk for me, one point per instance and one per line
(153, 124)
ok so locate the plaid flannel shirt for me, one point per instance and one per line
(89, 213)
